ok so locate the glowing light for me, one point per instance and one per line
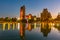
(53, 24)
(8, 26)
(29, 26)
(35, 25)
(57, 24)
(34, 18)
(18, 18)
(29, 17)
(13, 26)
(18, 26)
(3, 26)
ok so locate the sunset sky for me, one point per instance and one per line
(11, 8)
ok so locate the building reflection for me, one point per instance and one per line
(45, 29)
(22, 31)
(30, 26)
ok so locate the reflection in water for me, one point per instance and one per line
(45, 29)
(57, 26)
(29, 27)
(34, 25)
(22, 31)
(18, 26)
(8, 26)
(3, 26)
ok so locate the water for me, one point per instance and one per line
(29, 31)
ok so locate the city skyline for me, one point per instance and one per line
(11, 8)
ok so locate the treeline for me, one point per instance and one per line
(7, 19)
(46, 16)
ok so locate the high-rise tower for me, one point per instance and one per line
(22, 13)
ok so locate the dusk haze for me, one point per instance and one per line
(29, 19)
(11, 7)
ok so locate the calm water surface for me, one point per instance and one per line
(29, 31)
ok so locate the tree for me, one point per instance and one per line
(45, 15)
(58, 17)
(1, 19)
(7, 19)
(14, 19)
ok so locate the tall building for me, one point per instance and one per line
(22, 13)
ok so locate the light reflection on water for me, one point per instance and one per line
(29, 31)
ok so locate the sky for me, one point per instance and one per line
(11, 8)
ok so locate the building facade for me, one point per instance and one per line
(22, 13)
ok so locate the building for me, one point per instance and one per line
(26, 17)
(22, 13)
(30, 16)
